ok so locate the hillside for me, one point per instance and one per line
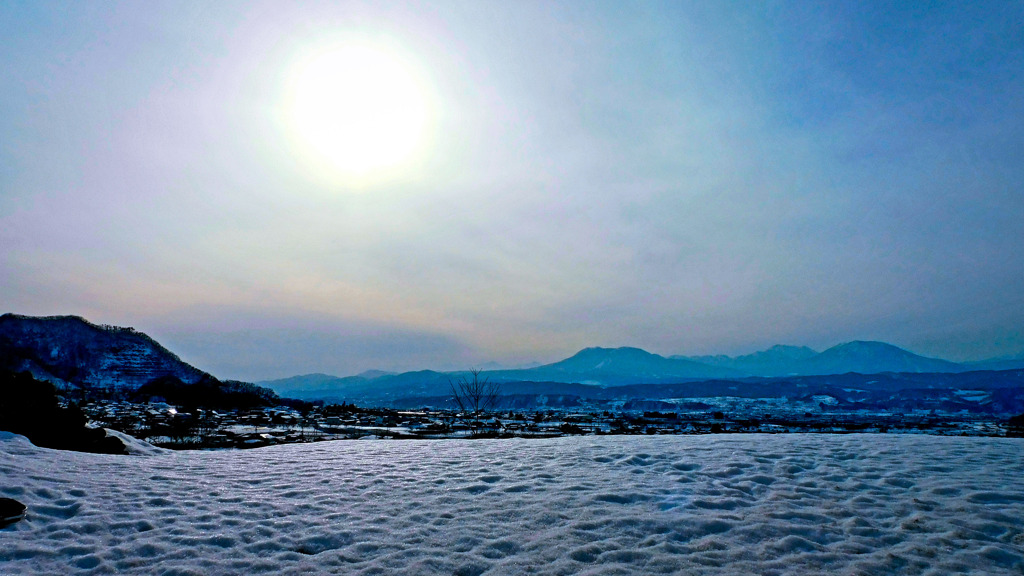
(70, 350)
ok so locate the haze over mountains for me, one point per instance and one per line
(71, 350)
(624, 366)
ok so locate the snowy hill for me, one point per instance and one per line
(72, 350)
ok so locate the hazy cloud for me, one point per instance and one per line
(686, 177)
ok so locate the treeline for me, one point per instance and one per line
(207, 393)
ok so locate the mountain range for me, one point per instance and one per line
(857, 356)
(71, 351)
(619, 367)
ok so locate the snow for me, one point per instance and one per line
(715, 504)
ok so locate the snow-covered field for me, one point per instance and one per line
(722, 504)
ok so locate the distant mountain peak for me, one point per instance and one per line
(870, 357)
(587, 356)
(867, 347)
(789, 349)
(621, 350)
(373, 374)
(868, 344)
(630, 363)
(863, 356)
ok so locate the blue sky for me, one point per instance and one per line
(686, 177)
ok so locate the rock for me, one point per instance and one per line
(11, 511)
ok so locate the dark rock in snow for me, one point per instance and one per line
(11, 511)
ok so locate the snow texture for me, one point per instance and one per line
(722, 504)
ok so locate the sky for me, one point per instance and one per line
(685, 177)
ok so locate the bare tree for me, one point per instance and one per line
(474, 394)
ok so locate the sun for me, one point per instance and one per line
(357, 110)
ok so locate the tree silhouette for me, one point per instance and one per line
(31, 408)
(474, 394)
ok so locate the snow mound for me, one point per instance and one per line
(135, 446)
(751, 504)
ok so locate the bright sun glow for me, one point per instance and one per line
(358, 111)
